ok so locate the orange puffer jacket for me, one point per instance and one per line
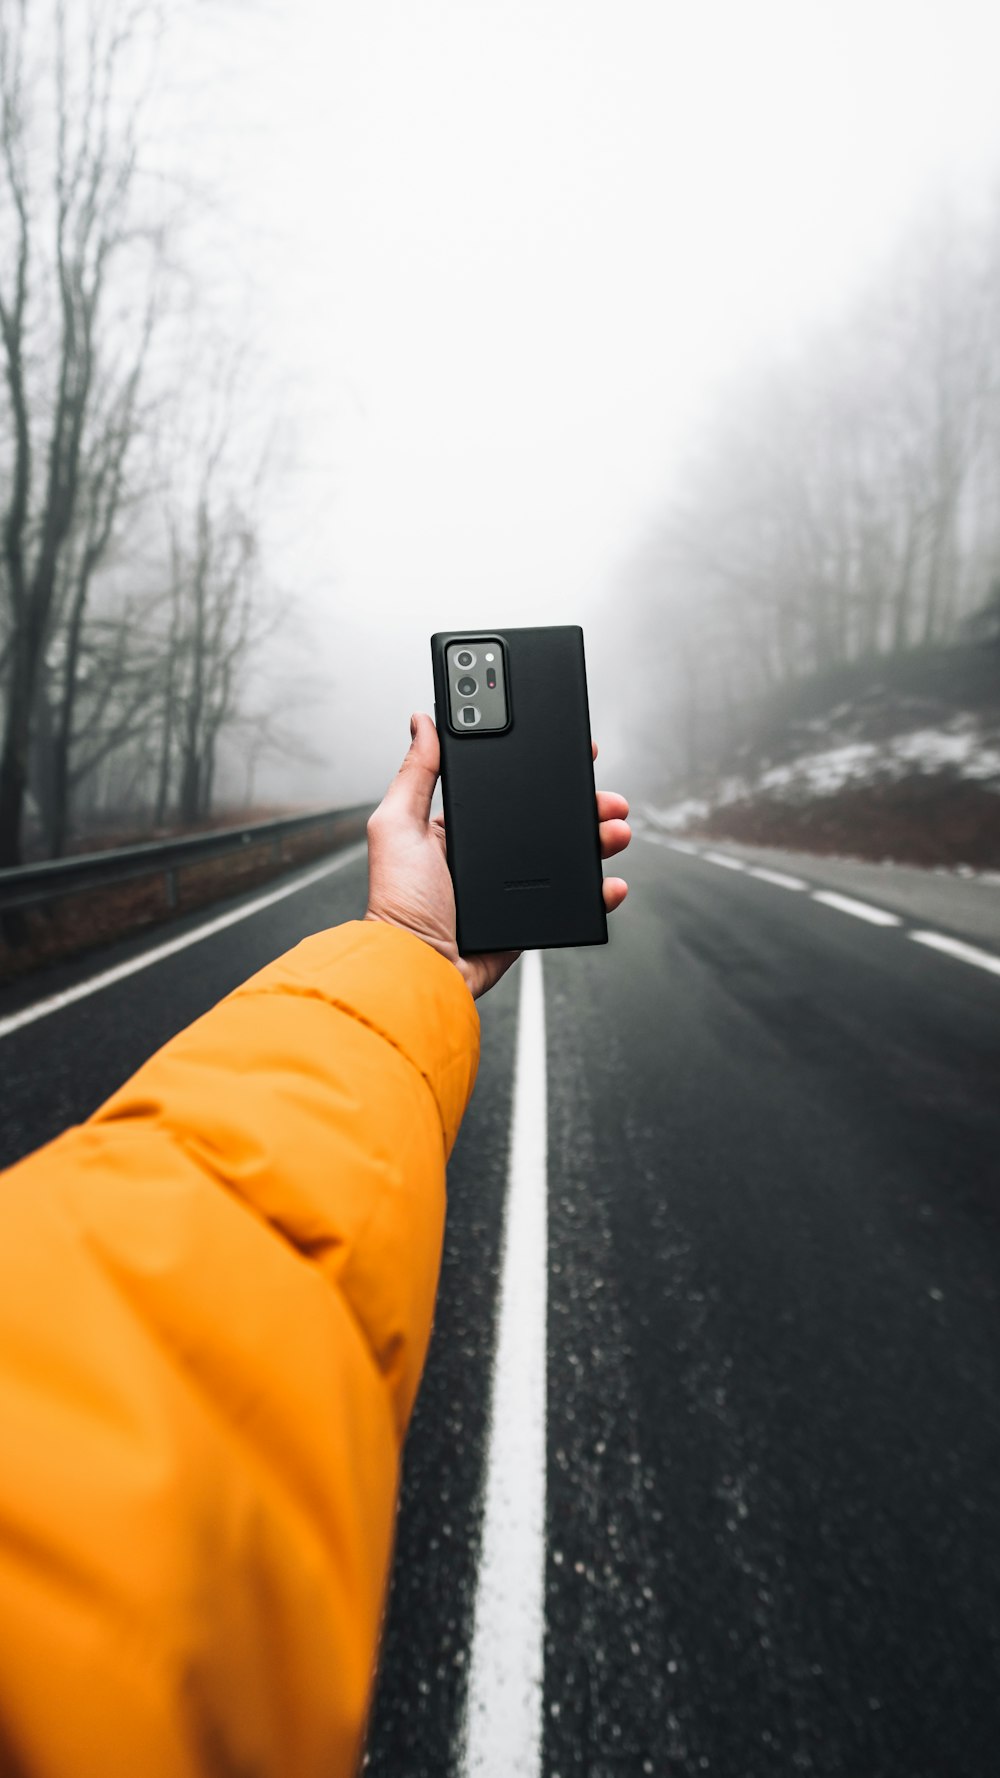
(215, 1302)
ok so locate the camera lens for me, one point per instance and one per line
(470, 715)
(465, 658)
(467, 687)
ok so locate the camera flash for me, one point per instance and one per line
(490, 657)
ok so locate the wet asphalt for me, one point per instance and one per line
(773, 1488)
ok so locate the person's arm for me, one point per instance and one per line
(215, 1303)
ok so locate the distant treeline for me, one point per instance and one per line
(131, 595)
(843, 505)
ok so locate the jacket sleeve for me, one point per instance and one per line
(215, 1302)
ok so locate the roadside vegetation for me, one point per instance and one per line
(826, 585)
(133, 597)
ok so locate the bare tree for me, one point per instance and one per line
(216, 636)
(100, 511)
(846, 503)
(71, 246)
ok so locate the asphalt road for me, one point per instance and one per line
(772, 1488)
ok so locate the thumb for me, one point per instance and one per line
(417, 778)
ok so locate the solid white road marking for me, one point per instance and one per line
(777, 877)
(724, 859)
(862, 910)
(953, 947)
(41, 1009)
(502, 1733)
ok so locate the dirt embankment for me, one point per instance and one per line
(930, 821)
(893, 759)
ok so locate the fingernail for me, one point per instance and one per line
(413, 728)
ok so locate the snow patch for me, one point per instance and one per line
(964, 748)
(678, 815)
(960, 748)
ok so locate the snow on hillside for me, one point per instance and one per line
(962, 749)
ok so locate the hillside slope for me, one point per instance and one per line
(897, 760)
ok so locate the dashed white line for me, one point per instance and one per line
(724, 859)
(660, 839)
(502, 1732)
(40, 1009)
(845, 904)
(778, 877)
(862, 910)
(953, 947)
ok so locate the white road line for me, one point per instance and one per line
(724, 859)
(40, 1009)
(502, 1733)
(660, 839)
(953, 947)
(862, 910)
(777, 877)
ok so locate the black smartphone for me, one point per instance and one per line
(517, 777)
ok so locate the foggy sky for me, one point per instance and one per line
(502, 257)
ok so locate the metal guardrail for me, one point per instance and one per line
(30, 885)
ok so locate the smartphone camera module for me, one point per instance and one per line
(475, 686)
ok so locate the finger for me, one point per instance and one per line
(615, 891)
(413, 787)
(611, 806)
(615, 836)
(438, 821)
(593, 749)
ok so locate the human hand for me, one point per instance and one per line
(409, 884)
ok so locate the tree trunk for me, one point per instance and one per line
(190, 805)
(166, 749)
(41, 761)
(170, 688)
(63, 739)
(901, 601)
(16, 743)
(934, 626)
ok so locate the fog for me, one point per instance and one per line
(451, 297)
(504, 258)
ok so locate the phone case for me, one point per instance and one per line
(519, 804)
